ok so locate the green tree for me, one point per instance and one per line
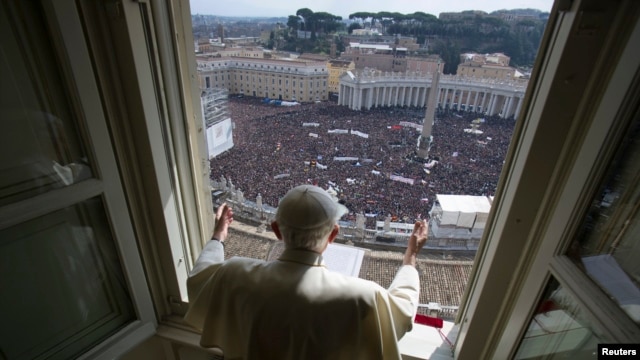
(362, 16)
(326, 22)
(293, 22)
(449, 51)
(353, 26)
(307, 16)
(271, 42)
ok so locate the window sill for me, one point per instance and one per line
(424, 342)
(421, 343)
(181, 337)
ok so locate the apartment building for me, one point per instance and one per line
(245, 52)
(389, 57)
(485, 66)
(282, 79)
(336, 69)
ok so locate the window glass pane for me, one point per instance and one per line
(559, 329)
(62, 284)
(608, 246)
(40, 148)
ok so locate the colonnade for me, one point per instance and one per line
(490, 97)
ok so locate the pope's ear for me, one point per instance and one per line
(276, 230)
(334, 233)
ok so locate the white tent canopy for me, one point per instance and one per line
(465, 211)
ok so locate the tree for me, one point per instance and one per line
(361, 15)
(386, 19)
(449, 51)
(271, 41)
(354, 26)
(293, 23)
(326, 22)
(307, 16)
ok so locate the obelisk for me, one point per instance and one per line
(424, 141)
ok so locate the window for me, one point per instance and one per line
(66, 233)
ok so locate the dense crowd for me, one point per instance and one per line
(274, 151)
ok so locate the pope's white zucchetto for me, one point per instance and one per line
(308, 207)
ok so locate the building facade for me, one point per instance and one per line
(402, 41)
(486, 71)
(485, 66)
(367, 89)
(273, 78)
(336, 69)
(245, 52)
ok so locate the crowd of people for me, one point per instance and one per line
(277, 148)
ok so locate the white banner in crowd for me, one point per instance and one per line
(313, 135)
(411, 125)
(430, 164)
(219, 137)
(338, 131)
(345, 158)
(311, 124)
(402, 179)
(280, 176)
(361, 134)
(316, 164)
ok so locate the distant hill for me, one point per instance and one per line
(515, 32)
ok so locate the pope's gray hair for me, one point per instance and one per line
(312, 239)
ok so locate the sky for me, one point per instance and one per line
(284, 8)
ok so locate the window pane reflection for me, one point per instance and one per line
(559, 329)
(40, 148)
(608, 247)
(62, 284)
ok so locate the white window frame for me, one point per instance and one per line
(146, 72)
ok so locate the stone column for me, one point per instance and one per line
(475, 102)
(485, 94)
(384, 95)
(395, 101)
(507, 108)
(494, 102)
(517, 112)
